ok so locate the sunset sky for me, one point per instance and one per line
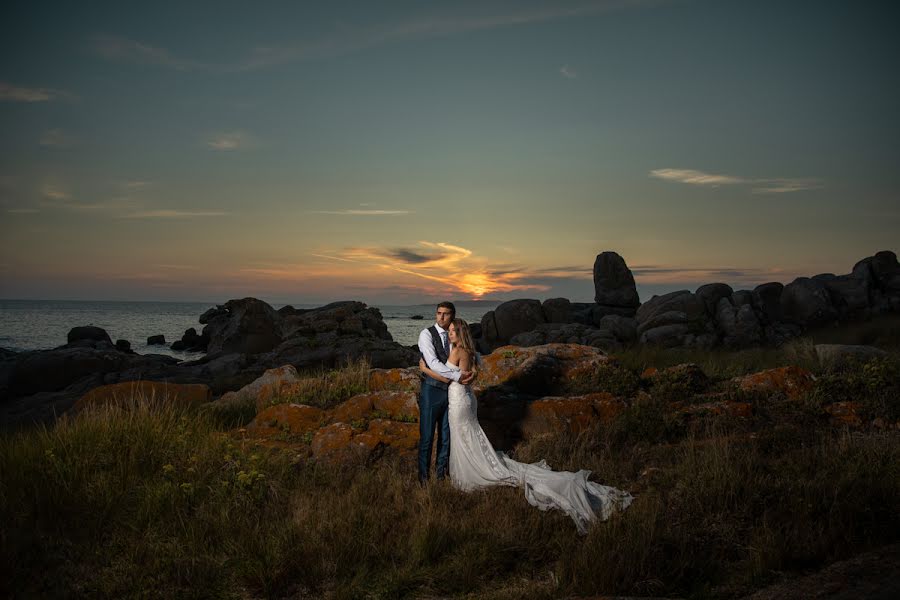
(401, 152)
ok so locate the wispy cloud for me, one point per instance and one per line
(178, 267)
(568, 72)
(734, 275)
(173, 214)
(135, 185)
(21, 93)
(694, 177)
(122, 49)
(760, 186)
(348, 38)
(56, 138)
(228, 140)
(54, 193)
(357, 212)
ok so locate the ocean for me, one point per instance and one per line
(44, 324)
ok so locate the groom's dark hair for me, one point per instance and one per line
(448, 305)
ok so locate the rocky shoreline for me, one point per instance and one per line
(244, 338)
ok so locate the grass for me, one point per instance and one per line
(152, 500)
(325, 388)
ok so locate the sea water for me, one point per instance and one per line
(44, 324)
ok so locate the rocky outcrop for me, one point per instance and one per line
(156, 340)
(246, 326)
(511, 318)
(614, 289)
(714, 315)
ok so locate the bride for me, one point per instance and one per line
(475, 464)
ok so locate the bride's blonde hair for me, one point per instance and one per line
(464, 339)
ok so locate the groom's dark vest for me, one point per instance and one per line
(441, 355)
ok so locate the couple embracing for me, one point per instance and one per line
(447, 403)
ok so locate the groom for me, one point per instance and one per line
(434, 345)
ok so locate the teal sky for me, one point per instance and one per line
(399, 152)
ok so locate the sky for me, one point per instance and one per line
(406, 152)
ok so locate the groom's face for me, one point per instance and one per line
(443, 317)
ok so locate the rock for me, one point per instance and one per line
(402, 380)
(672, 317)
(417, 317)
(886, 270)
(212, 313)
(133, 393)
(395, 405)
(385, 435)
(791, 381)
(742, 298)
(269, 387)
(557, 310)
(768, 298)
(573, 414)
(517, 316)
(806, 301)
(613, 282)
(124, 346)
(53, 370)
(711, 293)
(88, 333)
(839, 354)
(295, 419)
(623, 329)
(849, 294)
(667, 336)
(567, 333)
(550, 369)
(156, 340)
(178, 346)
(599, 311)
(680, 301)
(249, 326)
(738, 324)
(332, 443)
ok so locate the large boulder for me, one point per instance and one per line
(886, 270)
(557, 310)
(793, 382)
(88, 333)
(711, 293)
(511, 318)
(248, 326)
(567, 333)
(346, 318)
(269, 387)
(767, 297)
(681, 301)
(134, 393)
(614, 283)
(737, 324)
(849, 294)
(622, 328)
(806, 301)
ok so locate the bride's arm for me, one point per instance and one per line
(465, 361)
(424, 368)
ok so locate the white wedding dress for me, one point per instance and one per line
(475, 464)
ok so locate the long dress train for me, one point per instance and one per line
(475, 464)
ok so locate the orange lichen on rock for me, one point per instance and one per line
(568, 361)
(332, 443)
(145, 392)
(572, 414)
(407, 379)
(296, 419)
(402, 437)
(792, 381)
(265, 388)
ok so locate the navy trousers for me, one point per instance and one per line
(433, 414)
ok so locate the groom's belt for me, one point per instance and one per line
(435, 383)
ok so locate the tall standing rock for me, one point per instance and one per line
(614, 288)
(247, 326)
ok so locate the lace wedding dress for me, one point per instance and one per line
(475, 464)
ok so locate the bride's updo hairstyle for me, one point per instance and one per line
(464, 337)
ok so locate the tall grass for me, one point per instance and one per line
(149, 500)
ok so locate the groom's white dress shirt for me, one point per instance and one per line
(426, 347)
